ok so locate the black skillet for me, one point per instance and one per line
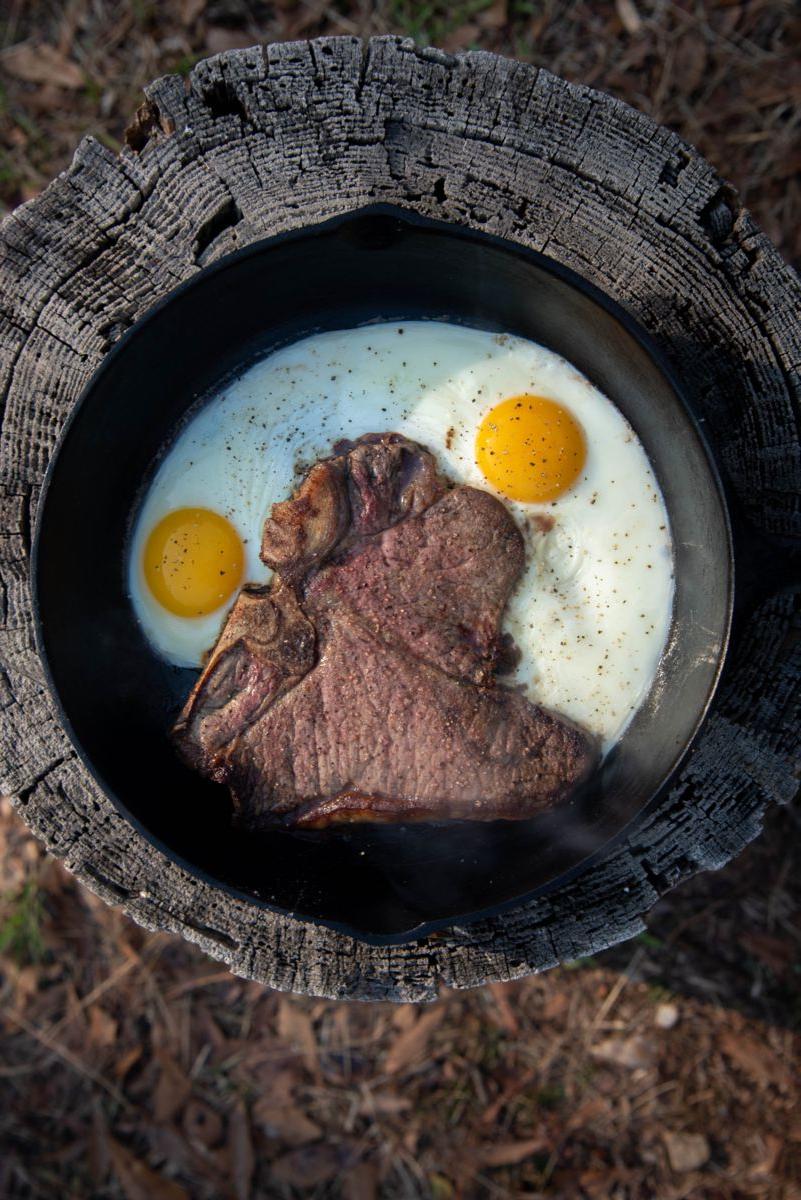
(117, 699)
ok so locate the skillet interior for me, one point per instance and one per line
(118, 699)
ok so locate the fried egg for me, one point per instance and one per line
(592, 610)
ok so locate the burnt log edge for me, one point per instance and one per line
(274, 137)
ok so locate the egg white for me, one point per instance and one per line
(591, 613)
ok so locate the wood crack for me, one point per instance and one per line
(23, 795)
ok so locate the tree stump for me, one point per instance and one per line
(280, 136)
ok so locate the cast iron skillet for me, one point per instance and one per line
(117, 699)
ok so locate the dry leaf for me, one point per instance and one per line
(512, 1089)
(462, 38)
(219, 39)
(409, 1048)
(755, 1058)
(25, 981)
(411, 1137)
(275, 1087)
(630, 19)
(102, 1027)
(777, 954)
(208, 1030)
(137, 1180)
(285, 1123)
(556, 1006)
(630, 1052)
(168, 1145)
(42, 64)
(75, 1019)
(768, 1147)
(202, 1124)
(384, 1103)
(307, 14)
(310, 1166)
(494, 17)
(123, 1064)
(360, 1183)
(689, 63)
(404, 1016)
(502, 1009)
(340, 1023)
(172, 1090)
(240, 1148)
(295, 1027)
(685, 1151)
(508, 1154)
(191, 10)
(595, 1182)
(586, 1113)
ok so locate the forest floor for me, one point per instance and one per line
(132, 1067)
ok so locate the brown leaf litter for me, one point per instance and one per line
(130, 1065)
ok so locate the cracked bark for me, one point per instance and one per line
(275, 137)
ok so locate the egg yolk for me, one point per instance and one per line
(193, 562)
(530, 448)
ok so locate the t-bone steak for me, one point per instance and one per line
(360, 685)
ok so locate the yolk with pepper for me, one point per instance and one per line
(193, 561)
(530, 448)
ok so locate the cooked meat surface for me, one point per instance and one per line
(361, 684)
